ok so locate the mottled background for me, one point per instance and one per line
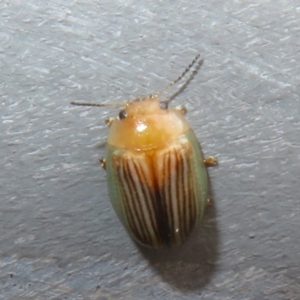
(59, 237)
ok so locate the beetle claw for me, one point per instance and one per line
(210, 161)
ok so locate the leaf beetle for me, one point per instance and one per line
(156, 172)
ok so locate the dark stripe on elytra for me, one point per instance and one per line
(198, 188)
(185, 195)
(189, 198)
(174, 202)
(192, 199)
(180, 195)
(161, 208)
(169, 199)
(172, 198)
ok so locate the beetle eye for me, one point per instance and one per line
(163, 105)
(122, 114)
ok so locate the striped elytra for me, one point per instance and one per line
(159, 195)
(156, 173)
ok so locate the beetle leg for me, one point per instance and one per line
(109, 121)
(181, 109)
(102, 163)
(210, 161)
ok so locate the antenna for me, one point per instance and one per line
(123, 104)
(188, 68)
(83, 103)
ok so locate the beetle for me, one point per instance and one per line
(156, 172)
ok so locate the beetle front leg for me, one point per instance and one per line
(210, 161)
(102, 163)
(109, 121)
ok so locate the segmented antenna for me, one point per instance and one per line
(188, 68)
(123, 104)
(83, 103)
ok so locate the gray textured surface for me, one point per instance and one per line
(59, 238)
